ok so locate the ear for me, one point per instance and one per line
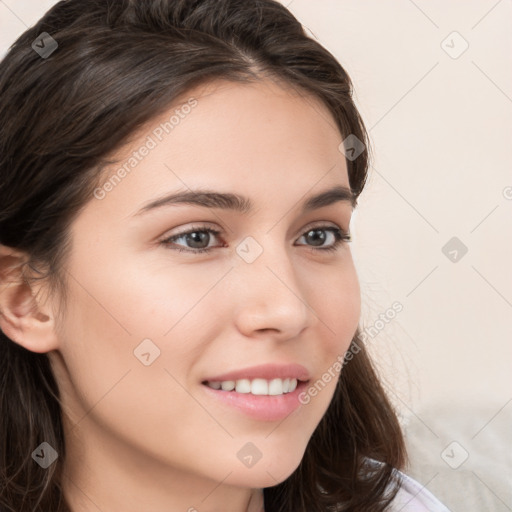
(23, 317)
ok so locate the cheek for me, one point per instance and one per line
(338, 307)
(337, 304)
(111, 386)
(134, 327)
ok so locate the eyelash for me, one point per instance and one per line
(339, 234)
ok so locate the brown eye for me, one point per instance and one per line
(197, 237)
(317, 237)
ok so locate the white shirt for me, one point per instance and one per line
(414, 497)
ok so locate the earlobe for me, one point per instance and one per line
(23, 318)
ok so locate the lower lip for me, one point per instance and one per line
(261, 407)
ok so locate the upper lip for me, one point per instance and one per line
(265, 371)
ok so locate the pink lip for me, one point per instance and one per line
(265, 371)
(260, 407)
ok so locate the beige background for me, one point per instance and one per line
(440, 123)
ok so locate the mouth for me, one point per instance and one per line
(265, 392)
(259, 399)
(271, 379)
(257, 386)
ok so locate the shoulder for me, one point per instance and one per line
(414, 497)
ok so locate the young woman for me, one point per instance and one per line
(179, 305)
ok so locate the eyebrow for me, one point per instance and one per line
(228, 201)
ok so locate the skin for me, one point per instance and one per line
(150, 436)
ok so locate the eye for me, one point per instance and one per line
(318, 238)
(199, 236)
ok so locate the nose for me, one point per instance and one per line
(270, 298)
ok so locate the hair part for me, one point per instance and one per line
(118, 65)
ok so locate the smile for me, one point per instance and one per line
(256, 386)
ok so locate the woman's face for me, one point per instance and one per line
(146, 324)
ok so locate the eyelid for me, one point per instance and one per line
(192, 229)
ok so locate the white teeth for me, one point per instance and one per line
(276, 387)
(243, 386)
(256, 386)
(228, 385)
(259, 387)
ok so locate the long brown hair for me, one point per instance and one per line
(117, 64)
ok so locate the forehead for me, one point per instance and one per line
(253, 138)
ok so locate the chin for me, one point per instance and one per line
(265, 474)
(257, 479)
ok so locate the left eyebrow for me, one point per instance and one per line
(229, 201)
